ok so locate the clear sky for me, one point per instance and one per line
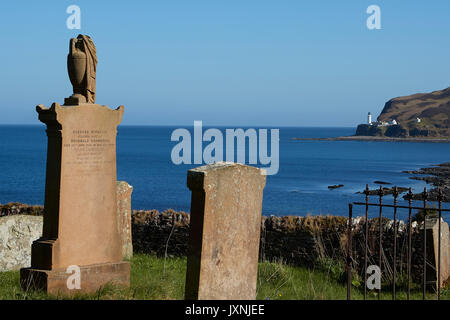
(233, 62)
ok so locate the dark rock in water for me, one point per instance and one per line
(386, 191)
(336, 186)
(381, 182)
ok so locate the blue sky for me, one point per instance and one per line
(239, 63)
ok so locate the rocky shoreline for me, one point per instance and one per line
(438, 176)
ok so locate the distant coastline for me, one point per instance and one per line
(377, 138)
(301, 186)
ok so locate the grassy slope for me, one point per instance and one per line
(432, 108)
(152, 278)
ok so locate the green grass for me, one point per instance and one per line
(152, 278)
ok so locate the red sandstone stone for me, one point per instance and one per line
(81, 226)
(224, 231)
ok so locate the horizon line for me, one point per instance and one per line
(191, 125)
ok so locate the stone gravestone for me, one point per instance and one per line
(433, 252)
(80, 216)
(124, 191)
(224, 231)
(17, 233)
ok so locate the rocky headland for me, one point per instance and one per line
(421, 115)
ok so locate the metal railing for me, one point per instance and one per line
(409, 197)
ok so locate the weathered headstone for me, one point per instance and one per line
(80, 223)
(17, 233)
(224, 231)
(124, 191)
(433, 252)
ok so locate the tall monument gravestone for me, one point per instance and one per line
(224, 237)
(80, 221)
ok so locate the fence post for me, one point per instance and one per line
(366, 241)
(440, 198)
(349, 252)
(410, 196)
(425, 196)
(380, 245)
(395, 194)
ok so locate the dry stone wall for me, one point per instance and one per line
(295, 240)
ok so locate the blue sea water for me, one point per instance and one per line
(307, 168)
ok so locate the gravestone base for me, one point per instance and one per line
(92, 278)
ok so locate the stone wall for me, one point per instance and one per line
(295, 240)
(14, 208)
(154, 232)
(302, 241)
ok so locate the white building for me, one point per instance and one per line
(418, 120)
(393, 122)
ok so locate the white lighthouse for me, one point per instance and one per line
(369, 119)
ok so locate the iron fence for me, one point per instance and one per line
(380, 193)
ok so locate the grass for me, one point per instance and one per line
(152, 278)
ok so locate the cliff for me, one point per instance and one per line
(433, 110)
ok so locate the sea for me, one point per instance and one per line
(306, 169)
